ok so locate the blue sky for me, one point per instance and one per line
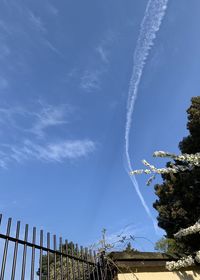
(64, 80)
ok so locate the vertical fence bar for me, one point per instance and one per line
(87, 266)
(48, 256)
(78, 263)
(61, 260)
(24, 253)
(96, 265)
(83, 263)
(73, 265)
(0, 218)
(99, 266)
(33, 254)
(102, 266)
(86, 257)
(41, 245)
(93, 266)
(15, 251)
(67, 260)
(5, 249)
(55, 249)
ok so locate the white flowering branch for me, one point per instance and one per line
(190, 160)
(197, 258)
(189, 260)
(183, 262)
(187, 231)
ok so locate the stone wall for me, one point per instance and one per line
(150, 266)
(184, 275)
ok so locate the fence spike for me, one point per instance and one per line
(41, 253)
(33, 254)
(80, 263)
(24, 253)
(67, 258)
(5, 249)
(15, 251)
(55, 249)
(96, 265)
(48, 256)
(61, 260)
(1, 216)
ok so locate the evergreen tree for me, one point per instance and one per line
(129, 248)
(178, 202)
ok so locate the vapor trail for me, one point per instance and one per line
(154, 14)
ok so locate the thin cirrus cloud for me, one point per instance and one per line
(3, 83)
(28, 132)
(103, 48)
(4, 50)
(4, 27)
(36, 21)
(35, 122)
(90, 81)
(51, 46)
(52, 9)
(103, 53)
(50, 116)
(46, 152)
(119, 239)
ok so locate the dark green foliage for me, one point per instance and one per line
(166, 245)
(191, 143)
(178, 202)
(58, 263)
(129, 248)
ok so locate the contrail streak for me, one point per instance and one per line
(154, 14)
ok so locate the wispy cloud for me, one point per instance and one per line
(103, 53)
(29, 137)
(71, 75)
(36, 21)
(52, 9)
(38, 121)
(127, 231)
(49, 45)
(8, 115)
(47, 152)
(90, 80)
(130, 233)
(4, 27)
(103, 48)
(4, 50)
(3, 83)
(49, 116)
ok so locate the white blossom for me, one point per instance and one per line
(197, 257)
(189, 158)
(140, 171)
(187, 231)
(186, 261)
(191, 161)
(163, 154)
(183, 262)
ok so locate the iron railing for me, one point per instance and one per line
(42, 258)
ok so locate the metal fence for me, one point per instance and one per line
(38, 256)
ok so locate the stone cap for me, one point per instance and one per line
(141, 261)
(144, 256)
